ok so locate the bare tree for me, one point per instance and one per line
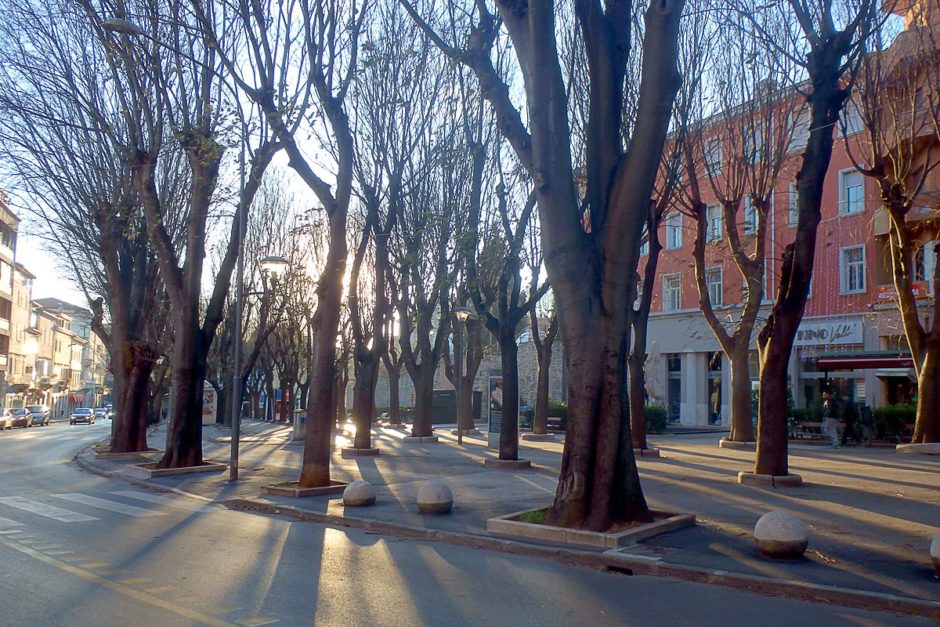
(733, 158)
(897, 100)
(591, 270)
(826, 42)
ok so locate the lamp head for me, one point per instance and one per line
(462, 313)
(274, 265)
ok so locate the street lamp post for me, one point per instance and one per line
(274, 266)
(461, 314)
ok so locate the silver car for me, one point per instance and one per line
(40, 414)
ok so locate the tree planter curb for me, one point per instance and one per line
(467, 432)
(539, 437)
(740, 446)
(360, 452)
(510, 526)
(140, 456)
(773, 481)
(652, 453)
(508, 464)
(930, 448)
(421, 439)
(335, 487)
(150, 470)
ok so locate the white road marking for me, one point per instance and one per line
(42, 509)
(6, 523)
(111, 506)
(179, 502)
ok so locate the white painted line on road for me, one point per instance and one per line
(169, 501)
(47, 511)
(6, 523)
(111, 506)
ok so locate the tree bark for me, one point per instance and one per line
(394, 395)
(544, 376)
(637, 392)
(135, 364)
(364, 398)
(423, 425)
(509, 363)
(742, 420)
(927, 420)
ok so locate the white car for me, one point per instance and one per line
(6, 418)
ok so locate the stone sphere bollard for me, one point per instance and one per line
(435, 497)
(358, 494)
(935, 553)
(780, 534)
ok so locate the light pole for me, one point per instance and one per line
(461, 314)
(274, 266)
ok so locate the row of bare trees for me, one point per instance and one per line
(458, 153)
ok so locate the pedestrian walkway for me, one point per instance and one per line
(86, 508)
(870, 512)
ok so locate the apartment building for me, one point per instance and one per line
(9, 225)
(851, 337)
(21, 387)
(92, 373)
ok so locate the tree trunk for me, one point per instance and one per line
(285, 402)
(465, 407)
(132, 382)
(540, 420)
(637, 399)
(423, 425)
(394, 396)
(364, 398)
(742, 420)
(221, 410)
(184, 433)
(927, 422)
(509, 363)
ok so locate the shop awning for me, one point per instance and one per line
(864, 359)
(888, 373)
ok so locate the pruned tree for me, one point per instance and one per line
(825, 40)
(896, 98)
(737, 146)
(592, 271)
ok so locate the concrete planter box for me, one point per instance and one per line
(360, 452)
(510, 525)
(741, 446)
(770, 481)
(292, 489)
(150, 470)
(647, 452)
(421, 439)
(930, 448)
(508, 464)
(539, 437)
(467, 432)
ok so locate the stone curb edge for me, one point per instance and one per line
(797, 590)
(768, 586)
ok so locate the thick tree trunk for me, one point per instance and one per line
(742, 420)
(221, 410)
(184, 433)
(465, 406)
(364, 398)
(927, 422)
(131, 396)
(394, 396)
(637, 397)
(285, 400)
(423, 425)
(509, 362)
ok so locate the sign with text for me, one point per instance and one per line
(829, 333)
(496, 404)
(920, 289)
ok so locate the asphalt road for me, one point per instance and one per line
(77, 549)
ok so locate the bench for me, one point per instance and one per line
(811, 430)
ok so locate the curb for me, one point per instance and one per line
(642, 566)
(91, 467)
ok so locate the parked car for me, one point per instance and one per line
(40, 414)
(82, 414)
(102, 412)
(22, 418)
(6, 419)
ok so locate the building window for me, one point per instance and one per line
(763, 288)
(793, 208)
(674, 231)
(713, 280)
(799, 135)
(851, 192)
(852, 270)
(639, 295)
(850, 120)
(754, 143)
(750, 216)
(925, 260)
(713, 223)
(672, 292)
(713, 155)
(644, 243)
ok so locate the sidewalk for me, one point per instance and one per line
(870, 512)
